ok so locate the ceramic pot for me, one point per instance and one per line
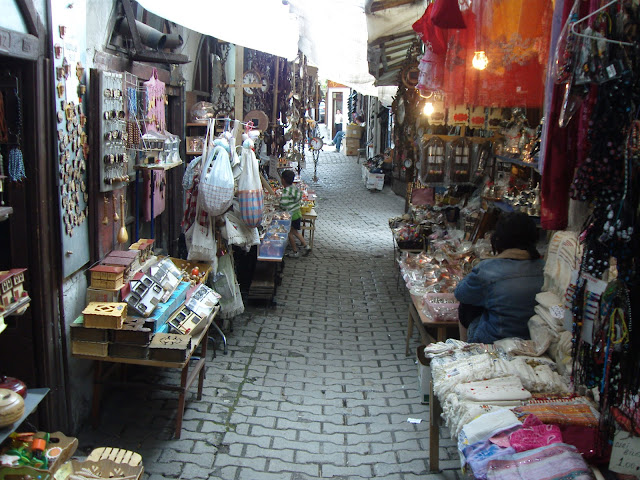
(11, 407)
(14, 384)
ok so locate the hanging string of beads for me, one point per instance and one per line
(16, 162)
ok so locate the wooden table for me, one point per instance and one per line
(424, 323)
(102, 372)
(308, 222)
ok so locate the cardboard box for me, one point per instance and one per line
(424, 375)
(351, 151)
(354, 131)
(100, 295)
(163, 311)
(352, 142)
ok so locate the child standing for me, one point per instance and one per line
(290, 201)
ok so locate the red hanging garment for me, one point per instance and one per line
(446, 14)
(433, 37)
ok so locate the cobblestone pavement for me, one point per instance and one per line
(317, 387)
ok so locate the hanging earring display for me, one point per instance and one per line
(16, 162)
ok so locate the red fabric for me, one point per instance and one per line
(433, 37)
(561, 156)
(446, 14)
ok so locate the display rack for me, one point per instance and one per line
(31, 402)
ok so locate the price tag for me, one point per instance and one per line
(611, 71)
(625, 455)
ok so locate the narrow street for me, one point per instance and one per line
(317, 387)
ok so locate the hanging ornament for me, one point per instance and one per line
(16, 165)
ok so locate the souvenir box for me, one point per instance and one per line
(158, 320)
(59, 449)
(145, 295)
(170, 347)
(107, 277)
(104, 315)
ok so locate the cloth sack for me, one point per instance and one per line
(237, 233)
(446, 14)
(431, 68)
(250, 194)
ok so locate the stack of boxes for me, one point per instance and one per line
(352, 140)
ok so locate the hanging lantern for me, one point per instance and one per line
(428, 109)
(480, 60)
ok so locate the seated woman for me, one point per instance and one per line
(500, 291)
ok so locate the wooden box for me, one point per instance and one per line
(145, 247)
(133, 255)
(133, 332)
(186, 268)
(78, 332)
(116, 260)
(104, 315)
(107, 277)
(128, 350)
(94, 349)
(60, 448)
(101, 295)
(170, 347)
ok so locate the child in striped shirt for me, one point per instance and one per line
(290, 201)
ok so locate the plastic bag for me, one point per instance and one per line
(216, 183)
(250, 194)
(226, 284)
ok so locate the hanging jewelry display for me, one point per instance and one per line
(111, 147)
(16, 162)
(155, 102)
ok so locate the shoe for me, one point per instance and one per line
(307, 250)
(293, 254)
(331, 143)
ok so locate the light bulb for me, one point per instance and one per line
(480, 60)
(428, 108)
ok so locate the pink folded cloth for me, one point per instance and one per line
(534, 434)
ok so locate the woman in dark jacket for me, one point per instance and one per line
(499, 293)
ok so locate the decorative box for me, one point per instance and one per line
(184, 321)
(166, 274)
(164, 310)
(170, 347)
(145, 296)
(104, 315)
(128, 263)
(133, 331)
(203, 300)
(107, 277)
(145, 247)
(80, 333)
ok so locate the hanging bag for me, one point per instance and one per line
(250, 194)
(203, 245)
(216, 182)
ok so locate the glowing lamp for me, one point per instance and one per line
(480, 60)
(428, 108)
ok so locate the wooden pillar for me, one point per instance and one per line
(274, 114)
(239, 90)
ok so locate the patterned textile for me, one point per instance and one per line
(290, 201)
(534, 434)
(479, 455)
(191, 201)
(558, 461)
(579, 415)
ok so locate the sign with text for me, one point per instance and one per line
(625, 455)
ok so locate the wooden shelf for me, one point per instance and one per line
(17, 308)
(158, 166)
(197, 124)
(195, 153)
(34, 397)
(517, 161)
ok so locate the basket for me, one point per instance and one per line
(186, 266)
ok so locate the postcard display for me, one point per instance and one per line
(69, 34)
